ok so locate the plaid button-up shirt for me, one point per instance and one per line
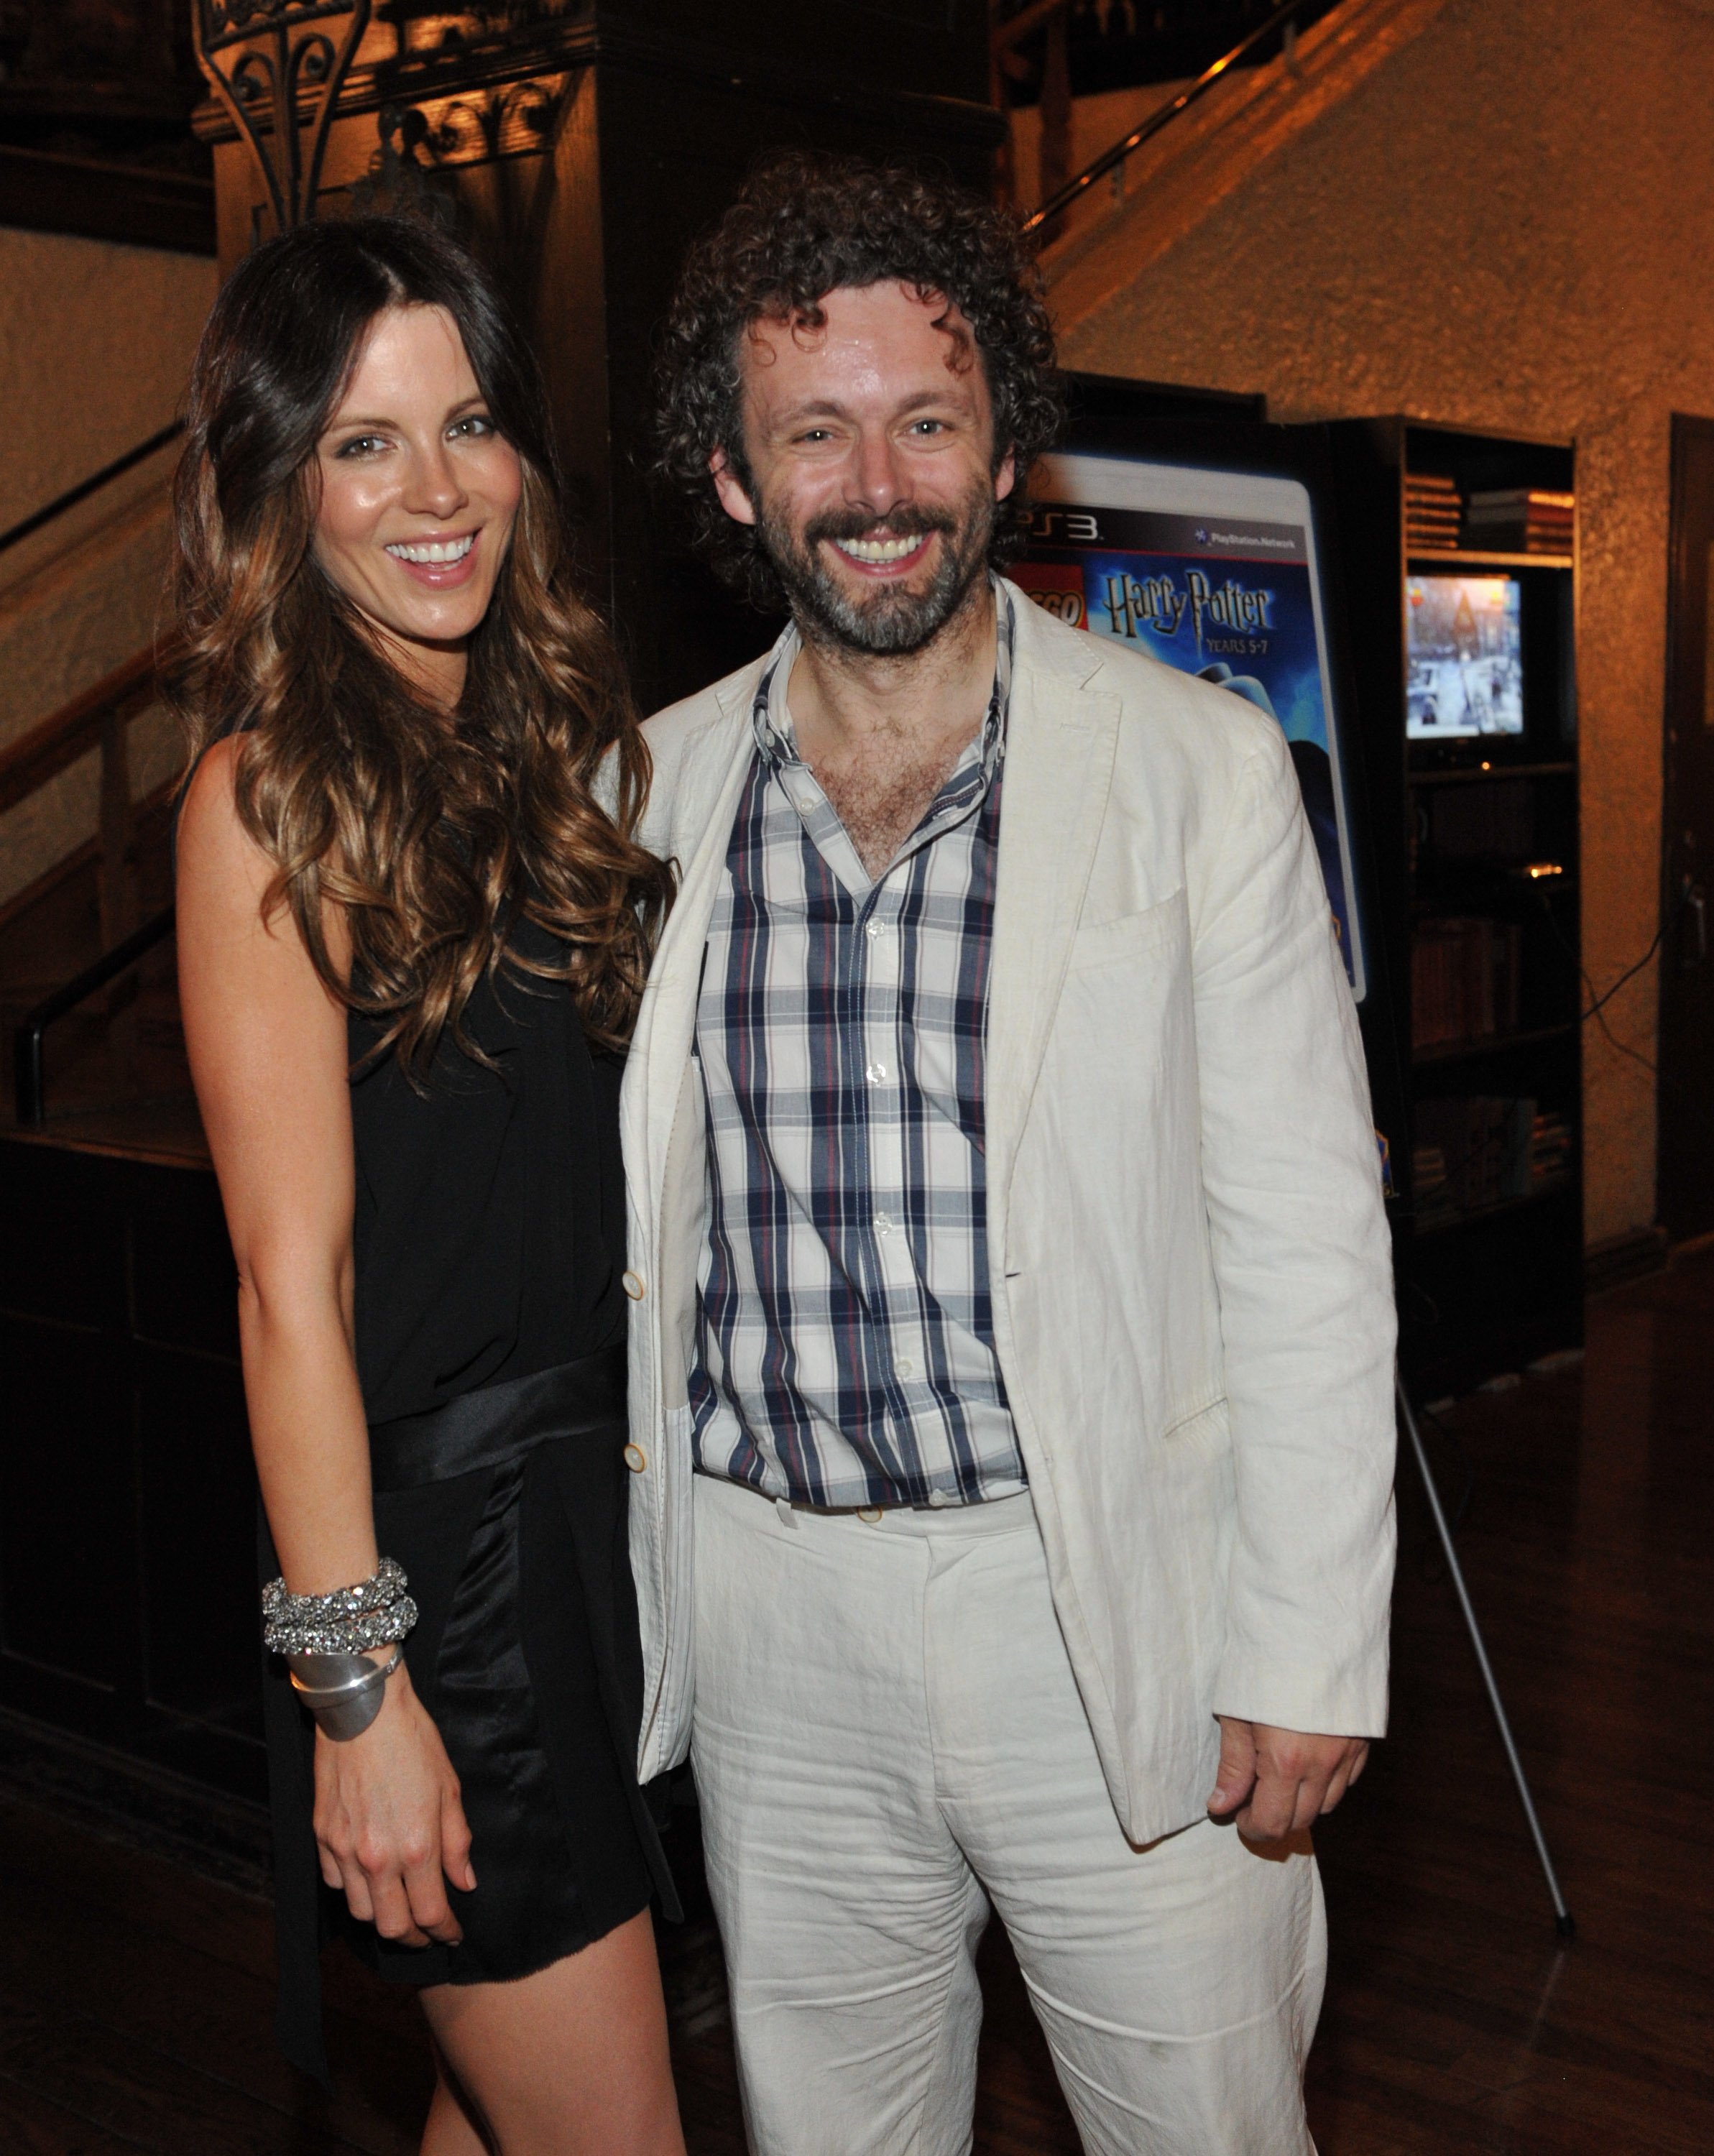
(844, 1324)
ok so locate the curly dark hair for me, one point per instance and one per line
(803, 225)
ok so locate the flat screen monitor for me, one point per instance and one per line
(1464, 657)
(1215, 572)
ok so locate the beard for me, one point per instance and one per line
(891, 621)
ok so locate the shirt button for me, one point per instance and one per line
(883, 1223)
(636, 1459)
(873, 929)
(905, 1367)
(938, 1497)
(876, 1074)
(632, 1284)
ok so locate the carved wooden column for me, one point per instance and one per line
(580, 146)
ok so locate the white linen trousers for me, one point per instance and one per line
(888, 1736)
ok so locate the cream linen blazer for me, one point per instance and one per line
(1191, 1269)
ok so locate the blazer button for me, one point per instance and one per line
(632, 1284)
(636, 1459)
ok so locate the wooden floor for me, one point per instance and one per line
(135, 1996)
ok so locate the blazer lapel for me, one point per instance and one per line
(1060, 739)
(709, 779)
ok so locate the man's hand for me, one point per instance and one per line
(1279, 1781)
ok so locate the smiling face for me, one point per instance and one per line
(418, 495)
(871, 479)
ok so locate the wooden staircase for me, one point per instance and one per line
(116, 1068)
(128, 1498)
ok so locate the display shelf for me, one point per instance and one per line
(1468, 557)
(1498, 1044)
(1479, 1216)
(1470, 745)
(1483, 770)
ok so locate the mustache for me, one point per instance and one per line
(908, 520)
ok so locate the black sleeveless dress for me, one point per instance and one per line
(490, 1322)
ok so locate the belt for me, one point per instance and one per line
(985, 1509)
(483, 1428)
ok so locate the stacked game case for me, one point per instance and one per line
(1433, 513)
(1464, 981)
(1521, 519)
(1481, 1150)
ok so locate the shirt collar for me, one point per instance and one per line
(776, 741)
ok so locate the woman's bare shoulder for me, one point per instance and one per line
(219, 859)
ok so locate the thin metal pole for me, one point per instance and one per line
(1564, 1921)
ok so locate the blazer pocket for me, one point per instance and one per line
(1132, 936)
(1208, 1422)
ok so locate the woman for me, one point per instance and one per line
(411, 943)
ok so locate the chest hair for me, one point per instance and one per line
(883, 797)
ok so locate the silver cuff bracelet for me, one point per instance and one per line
(342, 1692)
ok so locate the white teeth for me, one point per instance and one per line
(436, 550)
(874, 551)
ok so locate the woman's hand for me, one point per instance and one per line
(390, 1828)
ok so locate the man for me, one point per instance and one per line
(1014, 1332)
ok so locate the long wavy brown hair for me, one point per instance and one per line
(437, 832)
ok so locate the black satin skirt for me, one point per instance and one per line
(507, 1509)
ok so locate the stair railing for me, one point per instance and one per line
(93, 484)
(99, 718)
(29, 1090)
(1056, 96)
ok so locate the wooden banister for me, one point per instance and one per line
(1006, 63)
(1282, 19)
(97, 719)
(77, 727)
(1004, 35)
(39, 519)
(1059, 187)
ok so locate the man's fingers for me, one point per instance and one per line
(1296, 1779)
(1351, 1765)
(1237, 1774)
(1271, 1813)
(1344, 1774)
(1310, 1804)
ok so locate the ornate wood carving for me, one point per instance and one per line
(276, 56)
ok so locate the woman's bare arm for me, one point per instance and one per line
(268, 1054)
(269, 1057)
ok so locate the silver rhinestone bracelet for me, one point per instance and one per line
(377, 1612)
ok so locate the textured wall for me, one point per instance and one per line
(95, 342)
(1506, 222)
(79, 617)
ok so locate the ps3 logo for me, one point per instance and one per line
(1077, 526)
